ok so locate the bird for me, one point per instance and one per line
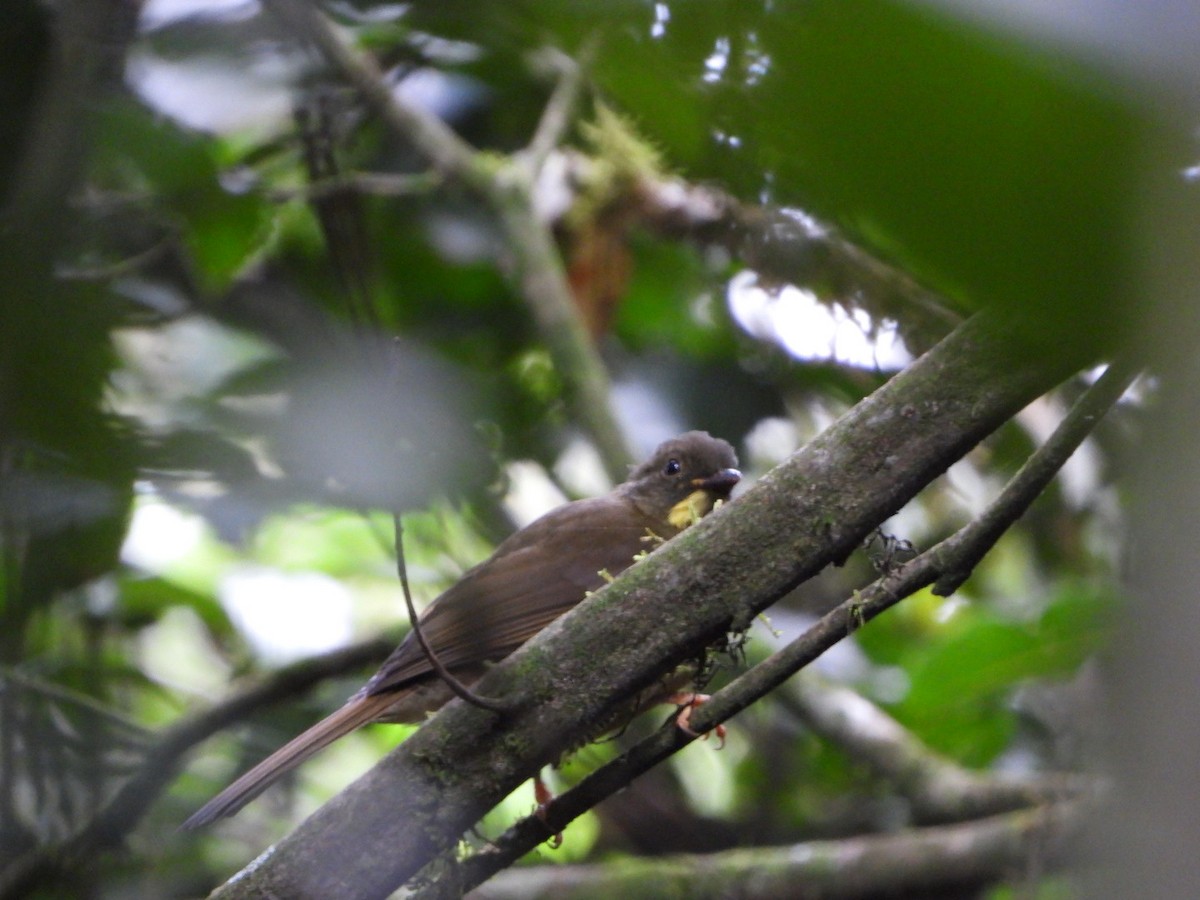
(534, 576)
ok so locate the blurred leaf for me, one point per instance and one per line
(331, 541)
(142, 601)
(999, 174)
(963, 677)
(220, 229)
(958, 688)
(890, 638)
(200, 451)
(1079, 623)
(673, 301)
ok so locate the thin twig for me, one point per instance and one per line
(339, 214)
(1024, 487)
(460, 689)
(375, 184)
(560, 108)
(958, 556)
(120, 268)
(57, 693)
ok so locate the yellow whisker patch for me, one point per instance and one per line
(690, 509)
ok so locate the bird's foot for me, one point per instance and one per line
(543, 795)
(689, 700)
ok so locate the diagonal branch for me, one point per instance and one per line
(560, 108)
(577, 674)
(450, 155)
(970, 542)
(787, 246)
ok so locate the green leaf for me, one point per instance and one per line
(142, 601)
(220, 229)
(1000, 174)
(1078, 624)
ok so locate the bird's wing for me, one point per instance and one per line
(533, 578)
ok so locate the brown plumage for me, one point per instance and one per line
(532, 578)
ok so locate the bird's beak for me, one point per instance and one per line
(721, 482)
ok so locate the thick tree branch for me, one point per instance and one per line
(938, 791)
(506, 187)
(907, 862)
(577, 675)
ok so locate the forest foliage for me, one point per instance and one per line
(246, 320)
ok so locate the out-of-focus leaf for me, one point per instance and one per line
(1000, 174)
(891, 639)
(142, 600)
(333, 542)
(955, 701)
(220, 229)
(962, 679)
(672, 301)
(200, 451)
(1077, 624)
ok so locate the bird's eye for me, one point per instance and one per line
(672, 467)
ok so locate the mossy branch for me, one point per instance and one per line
(939, 790)
(811, 510)
(913, 862)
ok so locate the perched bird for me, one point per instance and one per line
(532, 578)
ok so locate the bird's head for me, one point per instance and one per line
(684, 478)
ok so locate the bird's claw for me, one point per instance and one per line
(689, 701)
(543, 795)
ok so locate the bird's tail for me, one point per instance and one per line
(356, 712)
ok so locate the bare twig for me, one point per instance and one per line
(56, 693)
(957, 556)
(459, 689)
(968, 543)
(119, 269)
